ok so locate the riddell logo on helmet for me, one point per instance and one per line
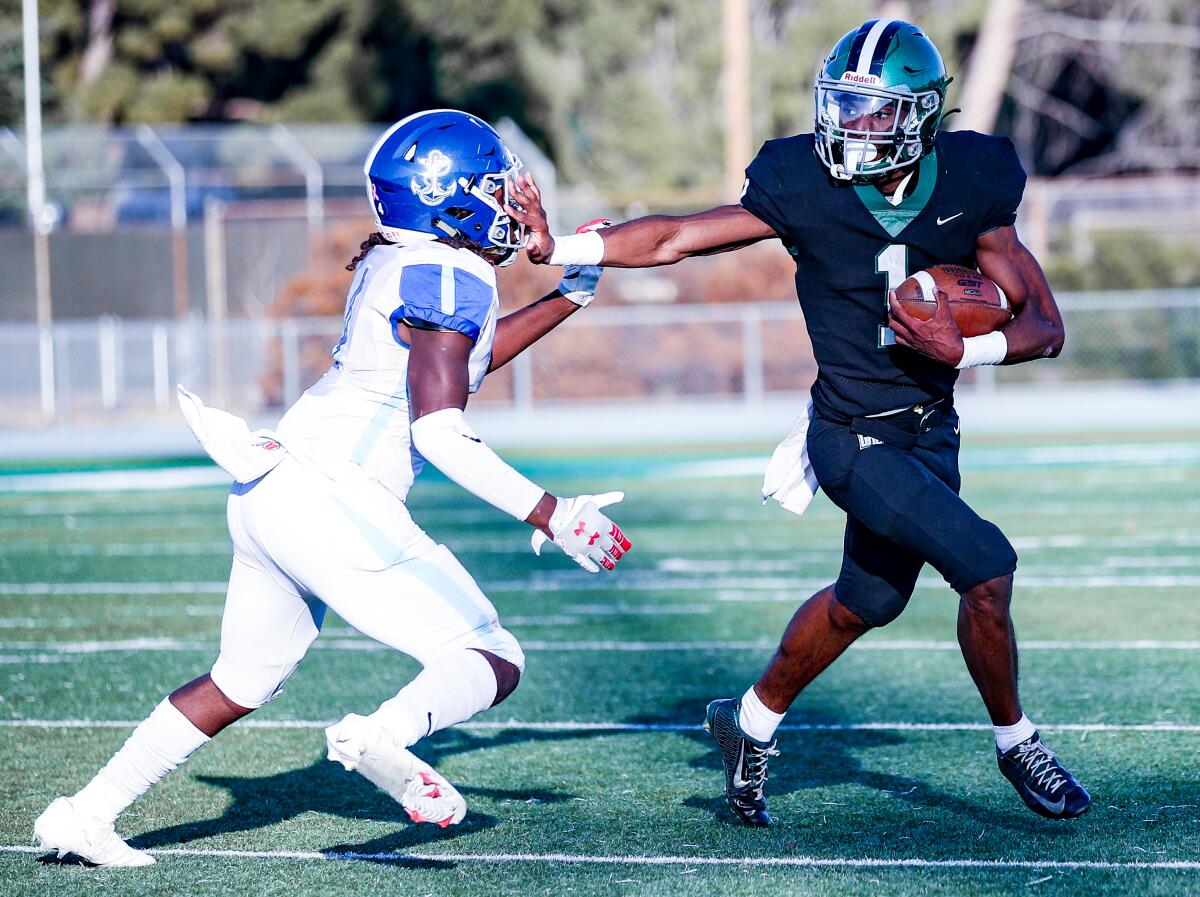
(856, 78)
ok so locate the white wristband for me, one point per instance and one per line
(991, 348)
(446, 440)
(578, 249)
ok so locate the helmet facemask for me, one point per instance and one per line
(506, 235)
(864, 130)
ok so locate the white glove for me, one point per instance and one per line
(578, 282)
(586, 535)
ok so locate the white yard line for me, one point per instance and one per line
(619, 860)
(116, 480)
(361, 643)
(631, 581)
(575, 726)
(112, 588)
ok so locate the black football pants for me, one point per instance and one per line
(902, 511)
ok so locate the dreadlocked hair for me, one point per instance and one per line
(461, 243)
(378, 239)
(375, 239)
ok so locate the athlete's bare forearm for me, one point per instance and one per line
(665, 239)
(1036, 330)
(518, 331)
(644, 242)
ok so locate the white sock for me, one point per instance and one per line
(1008, 737)
(757, 719)
(449, 691)
(159, 744)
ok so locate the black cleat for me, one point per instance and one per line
(745, 762)
(1043, 783)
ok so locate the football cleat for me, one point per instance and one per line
(68, 832)
(745, 762)
(362, 745)
(1043, 783)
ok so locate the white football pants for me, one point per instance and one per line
(303, 542)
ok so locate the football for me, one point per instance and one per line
(978, 305)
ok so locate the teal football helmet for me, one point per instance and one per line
(880, 96)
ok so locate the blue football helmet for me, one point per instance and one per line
(444, 173)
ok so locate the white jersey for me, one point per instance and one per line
(358, 413)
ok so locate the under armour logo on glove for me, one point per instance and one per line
(586, 535)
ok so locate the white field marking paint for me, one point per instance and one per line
(117, 480)
(123, 611)
(51, 649)
(713, 470)
(618, 860)
(165, 550)
(576, 726)
(795, 589)
(1113, 562)
(786, 564)
(729, 589)
(112, 588)
(54, 621)
(1131, 454)
(1145, 539)
(117, 503)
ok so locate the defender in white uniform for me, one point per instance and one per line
(317, 512)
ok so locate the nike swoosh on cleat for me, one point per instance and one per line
(738, 781)
(942, 221)
(1055, 808)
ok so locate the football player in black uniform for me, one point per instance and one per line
(876, 194)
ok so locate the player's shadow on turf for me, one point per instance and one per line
(821, 759)
(322, 787)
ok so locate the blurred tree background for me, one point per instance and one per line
(624, 94)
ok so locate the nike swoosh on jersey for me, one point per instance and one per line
(1055, 808)
(942, 221)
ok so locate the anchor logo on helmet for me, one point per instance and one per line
(428, 185)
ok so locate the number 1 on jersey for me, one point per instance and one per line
(891, 261)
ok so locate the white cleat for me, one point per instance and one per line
(65, 830)
(362, 745)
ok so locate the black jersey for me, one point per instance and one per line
(851, 246)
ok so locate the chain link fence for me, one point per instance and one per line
(112, 370)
